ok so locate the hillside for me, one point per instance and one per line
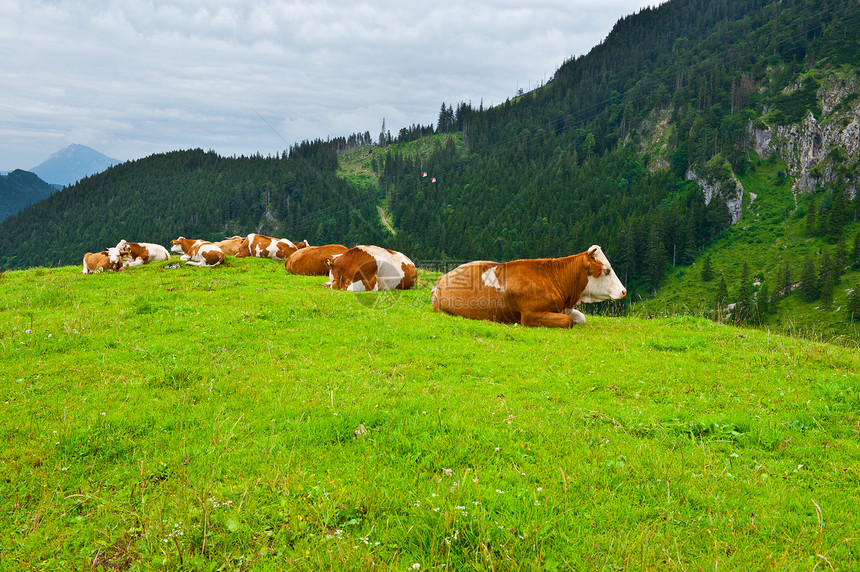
(19, 189)
(183, 418)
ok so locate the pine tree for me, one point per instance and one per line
(826, 279)
(855, 251)
(744, 304)
(809, 290)
(853, 307)
(841, 258)
(838, 215)
(382, 134)
(707, 270)
(785, 283)
(722, 292)
(826, 293)
(655, 259)
(810, 216)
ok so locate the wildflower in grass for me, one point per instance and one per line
(447, 472)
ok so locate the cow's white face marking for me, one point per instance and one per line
(607, 286)
(177, 248)
(113, 255)
(492, 280)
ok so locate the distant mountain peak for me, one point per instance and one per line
(69, 165)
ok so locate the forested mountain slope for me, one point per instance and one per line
(618, 147)
(19, 189)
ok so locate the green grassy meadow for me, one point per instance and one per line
(240, 418)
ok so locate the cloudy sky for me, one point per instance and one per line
(135, 77)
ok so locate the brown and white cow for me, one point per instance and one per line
(312, 261)
(263, 246)
(231, 245)
(197, 252)
(540, 292)
(109, 259)
(368, 268)
(139, 253)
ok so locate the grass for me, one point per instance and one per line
(240, 418)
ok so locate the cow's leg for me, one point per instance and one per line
(578, 317)
(546, 319)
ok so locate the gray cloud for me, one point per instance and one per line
(132, 78)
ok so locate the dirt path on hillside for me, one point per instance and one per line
(385, 220)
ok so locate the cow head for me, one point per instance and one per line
(123, 247)
(114, 256)
(602, 284)
(177, 245)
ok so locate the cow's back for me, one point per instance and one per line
(473, 290)
(372, 268)
(311, 261)
(94, 261)
(230, 246)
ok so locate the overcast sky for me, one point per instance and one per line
(130, 78)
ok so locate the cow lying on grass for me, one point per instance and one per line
(231, 245)
(371, 268)
(197, 252)
(139, 253)
(312, 261)
(109, 259)
(267, 247)
(540, 292)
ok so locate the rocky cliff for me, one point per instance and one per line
(818, 151)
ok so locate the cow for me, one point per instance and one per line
(109, 259)
(539, 292)
(263, 246)
(371, 268)
(139, 253)
(197, 252)
(231, 245)
(311, 261)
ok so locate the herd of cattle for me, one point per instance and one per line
(536, 292)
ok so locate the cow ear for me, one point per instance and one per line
(593, 250)
(328, 262)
